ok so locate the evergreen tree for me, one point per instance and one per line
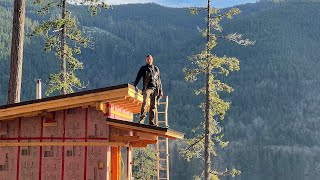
(206, 140)
(62, 34)
(144, 163)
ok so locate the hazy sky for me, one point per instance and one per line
(184, 3)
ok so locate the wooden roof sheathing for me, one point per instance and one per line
(123, 95)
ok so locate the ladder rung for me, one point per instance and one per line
(162, 103)
(162, 150)
(162, 159)
(163, 169)
(161, 112)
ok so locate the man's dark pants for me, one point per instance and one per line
(152, 95)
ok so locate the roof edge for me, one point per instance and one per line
(66, 96)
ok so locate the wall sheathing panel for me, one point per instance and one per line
(9, 129)
(97, 163)
(31, 127)
(97, 128)
(98, 131)
(75, 123)
(9, 155)
(51, 161)
(57, 162)
(74, 161)
(29, 161)
(8, 162)
(54, 131)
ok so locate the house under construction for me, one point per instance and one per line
(86, 135)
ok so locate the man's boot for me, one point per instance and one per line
(151, 123)
(141, 121)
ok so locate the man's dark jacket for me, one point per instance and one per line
(151, 77)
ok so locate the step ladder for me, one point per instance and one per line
(162, 144)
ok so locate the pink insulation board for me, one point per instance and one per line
(75, 123)
(57, 162)
(29, 161)
(51, 161)
(9, 129)
(97, 127)
(8, 162)
(74, 160)
(55, 131)
(31, 127)
(97, 163)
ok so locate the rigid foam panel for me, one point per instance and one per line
(8, 162)
(29, 161)
(51, 161)
(9, 129)
(74, 160)
(55, 131)
(97, 127)
(31, 127)
(75, 122)
(97, 163)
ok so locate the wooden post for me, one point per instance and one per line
(115, 163)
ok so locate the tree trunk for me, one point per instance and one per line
(14, 87)
(207, 162)
(63, 50)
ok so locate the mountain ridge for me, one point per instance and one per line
(275, 104)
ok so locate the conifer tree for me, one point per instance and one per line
(209, 134)
(17, 42)
(63, 36)
(144, 163)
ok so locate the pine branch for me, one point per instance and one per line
(195, 143)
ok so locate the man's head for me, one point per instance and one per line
(149, 59)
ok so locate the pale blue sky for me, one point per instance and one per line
(184, 3)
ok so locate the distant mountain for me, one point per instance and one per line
(203, 3)
(273, 125)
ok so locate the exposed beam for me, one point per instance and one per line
(143, 143)
(146, 129)
(145, 135)
(117, 138)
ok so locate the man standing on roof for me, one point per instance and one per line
(152, 88)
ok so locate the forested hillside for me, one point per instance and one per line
(273, 125)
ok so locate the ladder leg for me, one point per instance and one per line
(163, 145)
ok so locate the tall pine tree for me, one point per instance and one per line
(209, 134)
(62, 35)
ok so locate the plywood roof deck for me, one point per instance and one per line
(124, 96)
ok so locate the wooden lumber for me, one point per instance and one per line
(15, 144)
(118, 138)
(121, 94)
(143, 143)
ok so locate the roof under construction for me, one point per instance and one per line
(155, 130)
(121, 95)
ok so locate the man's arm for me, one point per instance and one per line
(139, 76)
